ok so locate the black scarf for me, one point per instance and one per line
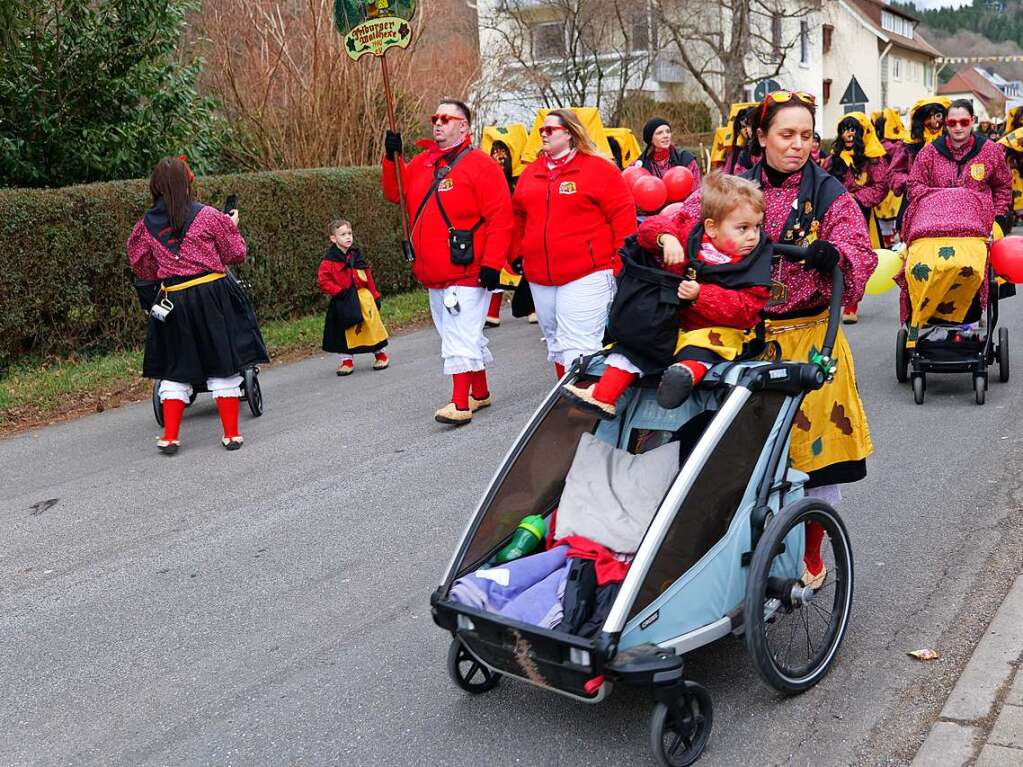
(818, 189)
(352, 259)
(158, 224)
(752, 271)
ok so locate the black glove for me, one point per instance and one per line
(392, 144)
(378, 303)
(822, 256)
(490, 278)
(516, 265)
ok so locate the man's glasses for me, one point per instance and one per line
(550, 130)
(441, 119)
(965, 122)
(780, 97)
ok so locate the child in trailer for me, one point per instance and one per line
(353, 324)
(726, 263)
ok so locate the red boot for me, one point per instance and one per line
(173, 409)
(494, 310)
(814, 570)
(479, 391)
(457, 412)
(228, 409)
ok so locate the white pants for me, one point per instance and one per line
(462, 343)
(219, 387)
(572, 316)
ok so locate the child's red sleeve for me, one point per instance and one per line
(725, 307)
(680, 226)
(328, 279)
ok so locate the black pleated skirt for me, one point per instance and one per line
(210, 333)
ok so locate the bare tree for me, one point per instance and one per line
(570, 52)
(729, 45)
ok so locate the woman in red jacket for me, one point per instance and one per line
(572, 214)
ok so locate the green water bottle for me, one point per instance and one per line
(525, 539)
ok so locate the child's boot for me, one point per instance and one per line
(602, 396)
(678, 382)
(381, 361)
(346, 366)
(228, 409)
(173, 409)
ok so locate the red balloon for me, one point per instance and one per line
(649, 193)
(634, 173)
(1007, 258)
(672, 210)
(679, 181)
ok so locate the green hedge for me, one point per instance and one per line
(65, 286)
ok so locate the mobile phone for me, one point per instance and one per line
(231, 203)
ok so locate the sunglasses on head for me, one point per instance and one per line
(964, 122)
(445, 119)
(550, 130)
(780, 97)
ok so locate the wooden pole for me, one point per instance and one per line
(392, 123)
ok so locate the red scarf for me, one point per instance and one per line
(661, 155)
(435, 154)
(555, 165)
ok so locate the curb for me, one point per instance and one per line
(982, 721)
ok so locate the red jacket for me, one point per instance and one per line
(715, 306)
(476, 188)
(571, 225)
(335, 275)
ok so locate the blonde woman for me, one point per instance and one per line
(572, 214)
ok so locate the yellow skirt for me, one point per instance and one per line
(724, 342)
(831, 426)
(943, 275)
(371, 330)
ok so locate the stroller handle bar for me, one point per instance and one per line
(794, 253)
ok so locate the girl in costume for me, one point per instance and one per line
(342, 268)
(857, 160)
(1012, 144)
(660, 155)
(806, 206)
(210, 332)
(572, 214)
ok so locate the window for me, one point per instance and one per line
(642, 31)
(776, 36)
(804, 42)
(827, 31)
(826, 90)
(549, 41)
(900, 25)
(896, 68)
(928, 75)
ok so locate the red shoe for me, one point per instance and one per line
(381, 361)
(346, 368)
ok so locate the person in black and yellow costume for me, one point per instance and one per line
(1012, 143)
(202, 327)
(892, 133)
(352, 325)
(926, 125)
(732, 143)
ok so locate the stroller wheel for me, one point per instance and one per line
(901, 357)
(467, 672)
(679, 732)
(793, 631)
(253, 391)
(919, 387)
(1003, 355)
(980, 388)
(157, 406)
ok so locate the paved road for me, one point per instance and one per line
(271, 606)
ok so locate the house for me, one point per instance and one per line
(874, 57)
(969, 83)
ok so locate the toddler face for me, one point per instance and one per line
(738, 233)
(343, 237)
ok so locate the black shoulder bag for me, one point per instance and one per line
(438, 175)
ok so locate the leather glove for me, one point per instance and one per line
(490, 278)
(392, 144)
(516, 265)
(822, 256)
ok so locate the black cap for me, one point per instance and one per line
(652, 125)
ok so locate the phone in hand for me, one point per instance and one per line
(231, 203)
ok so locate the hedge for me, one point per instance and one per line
(65, 285)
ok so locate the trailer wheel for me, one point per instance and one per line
(467, 672)
(919, 387)
(901, 356)
(679, 731)
(1003, 355)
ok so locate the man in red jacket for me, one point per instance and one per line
(461, 232)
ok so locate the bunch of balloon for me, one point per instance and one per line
(889, 264)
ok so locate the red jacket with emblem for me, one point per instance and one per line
(573, 223)
(475, 189)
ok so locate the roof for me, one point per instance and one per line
(969, 80)
(871, 9)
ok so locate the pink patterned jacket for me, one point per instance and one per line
(211, 243)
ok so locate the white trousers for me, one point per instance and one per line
(219, 387)
(572, 316)
(462, 343)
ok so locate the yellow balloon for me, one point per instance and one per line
(883, 279)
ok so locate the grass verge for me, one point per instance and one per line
(37, 391)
